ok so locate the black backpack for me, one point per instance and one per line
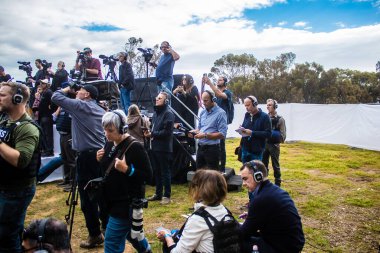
(226, 232)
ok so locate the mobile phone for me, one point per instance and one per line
(164, 229)
(205, 74)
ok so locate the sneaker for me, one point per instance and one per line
(155, 197)
(165, 201)
(92, 241)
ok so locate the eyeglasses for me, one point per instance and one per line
(163, 47)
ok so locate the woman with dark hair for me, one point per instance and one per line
(208, 189)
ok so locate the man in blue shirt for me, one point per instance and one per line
(223, 99)
(164, 70)
(212, 128)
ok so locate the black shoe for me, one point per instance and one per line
(154, 198)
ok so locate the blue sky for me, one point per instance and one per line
(319, 16)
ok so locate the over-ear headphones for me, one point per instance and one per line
(17, 97)
(189, 79)
(275, 104)
(254, 100)
(41, 237)
(225, 81)
(122, 122)
(212, 96)
(167, 97)
(257, 174)
(63, 64)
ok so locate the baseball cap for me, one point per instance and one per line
(87, 50)
(92, 90)
(45, 81)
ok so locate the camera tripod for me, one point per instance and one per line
(146, 86)
(111, 72)
(72, 201)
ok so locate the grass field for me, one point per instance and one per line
(336, 190)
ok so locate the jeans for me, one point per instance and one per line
(13, 205)
(167, 85)
(49, 168)
(93, 210)
(162, 169)
(208, 156)
(117, 231)
(247, 156)
(125, 99)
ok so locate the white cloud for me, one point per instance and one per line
(300, 24)
(282, 23)
(51, 30)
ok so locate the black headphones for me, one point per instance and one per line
(122, 122)
(167, 97)
(254, 100)
(189, 78)
(18, 97)
(212, 96)
(257, 174)
(225, 81)
(41, 237)
(275, 104)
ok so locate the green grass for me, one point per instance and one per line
(335, 188)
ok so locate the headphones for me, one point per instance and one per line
(167, 97)
(257, 174)
(275, 104)
(212, 96)
(225, 81)
(254, 100)
(63, 64)
(18, 97)
(122, 122)
(41, 237)
(189, 79)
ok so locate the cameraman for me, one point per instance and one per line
(92, 66)
(59, 77)
(164, 70)
(4, 77)
(87, 138)
(39, 74)
(126, 81)
(124, 187)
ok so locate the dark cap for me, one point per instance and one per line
(92, 90)
(87, 50)
(1, 68)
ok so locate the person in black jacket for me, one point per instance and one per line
(256, 128)
(126, 81)
(59, 77)
(124, 187)
(272, 222)
(161, 138)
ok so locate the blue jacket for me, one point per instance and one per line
(261, 127)
(272, 212)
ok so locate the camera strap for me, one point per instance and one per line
(121, 152)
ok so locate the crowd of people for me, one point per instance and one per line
(127, 150)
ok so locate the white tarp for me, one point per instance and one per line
(355, 125)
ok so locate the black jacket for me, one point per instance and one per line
(162, 130)
(261, 127)
(126, 77)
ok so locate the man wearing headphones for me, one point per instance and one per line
(224, 100)
(164, 70)
(212, 127)
(256, 128)
(59, 77)
(91, 65)
(87, 139)
(272, 146)
(46, 236)
(161, 137)
(126, 81)
(272, 222)
(19, 161)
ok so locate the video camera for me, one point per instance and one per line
(147, 53)
(25, 66)
(81, 56)
(109, 60)
(46, 65)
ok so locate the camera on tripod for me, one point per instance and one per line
(147, 53)
(46, 65)
(25, 66)
(108, 60)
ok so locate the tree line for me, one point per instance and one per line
(280, 78)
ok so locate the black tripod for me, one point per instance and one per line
(72, 201)
(146, 85)
(111, 72)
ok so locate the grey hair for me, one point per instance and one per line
(111, 118)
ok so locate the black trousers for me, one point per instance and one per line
(208, 156)
(46, 124)
(68, 156)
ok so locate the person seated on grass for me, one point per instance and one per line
(208, 189)
(272, 222)
(48, 234)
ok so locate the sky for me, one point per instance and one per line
(336, 34)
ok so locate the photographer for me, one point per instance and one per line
(126, 166)
(90, 67)
(4, 77)
(164, 70)
(59, 77)
(126, 81)
(39, 74)
(87, 138)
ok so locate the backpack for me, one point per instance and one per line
(226, 231)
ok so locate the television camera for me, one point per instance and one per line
(25, 66)
(108, 60)
(147, 53)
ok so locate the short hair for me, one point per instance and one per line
(111, 118)
(55, 233)
(208, 186)
(133, 110)
(1, 68)
(38, 60)
(167, 96)
(259, 165)
(225, 80)
(25, 92)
